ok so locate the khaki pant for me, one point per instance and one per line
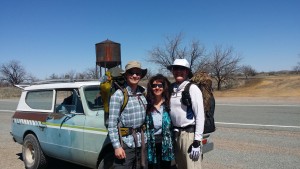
(183, 141)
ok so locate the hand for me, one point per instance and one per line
(195, 150)
(120, 153)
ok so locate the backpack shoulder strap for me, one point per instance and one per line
(125, 100)
(126, 96)
(187, 87)
(185, 95)
(144, 93)
(186, 100)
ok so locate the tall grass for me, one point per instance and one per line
(9, 92)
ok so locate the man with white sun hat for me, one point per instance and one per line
(188, 121)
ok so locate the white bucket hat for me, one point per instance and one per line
(182, 63)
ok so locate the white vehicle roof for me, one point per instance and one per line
(59, 85)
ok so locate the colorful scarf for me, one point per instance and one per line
(167, 143)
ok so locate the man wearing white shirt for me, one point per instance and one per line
(188, 121)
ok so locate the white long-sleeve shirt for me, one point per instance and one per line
(178, 110)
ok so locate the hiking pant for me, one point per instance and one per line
(182, 143)
(132, 154)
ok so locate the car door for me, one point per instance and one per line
(67, 122)
(95, 132)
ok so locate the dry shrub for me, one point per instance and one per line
(9, 92)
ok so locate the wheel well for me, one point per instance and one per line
(104, 151)
(29, 132)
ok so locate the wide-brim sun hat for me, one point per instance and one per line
(135, 64)
(182, 63)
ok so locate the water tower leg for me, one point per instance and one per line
(96, 71)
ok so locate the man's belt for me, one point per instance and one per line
(188, 129)
(126, 131)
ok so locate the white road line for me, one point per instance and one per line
(260, 105)
(259, 125)
(8, 110)
(238, 124)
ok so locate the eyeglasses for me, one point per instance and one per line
(132, 72)
(159, 85)
(179, 68)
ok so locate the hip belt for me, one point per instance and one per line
(188, 129)
(126, 131)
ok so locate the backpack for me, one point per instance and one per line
(110, 83)
(204, 82)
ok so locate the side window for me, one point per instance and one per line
(39, 99)
(68, 101)
(93, 97)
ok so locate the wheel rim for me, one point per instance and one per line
(29, 154)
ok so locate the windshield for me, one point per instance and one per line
(93, 97)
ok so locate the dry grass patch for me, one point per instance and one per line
(284, 86)
(268, 86)
(9, 92)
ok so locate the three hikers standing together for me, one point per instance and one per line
(160, 127)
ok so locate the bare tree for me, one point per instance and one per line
(31, 78)
(297, 67)
(172, 49)
(197, 57)
(70, 75)
(224, 64)
(13, 72)
(90, 73)
(53, 76)
(247, 70)
(80, 76)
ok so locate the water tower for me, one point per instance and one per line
(108, 55)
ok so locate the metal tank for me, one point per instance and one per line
(108, 54)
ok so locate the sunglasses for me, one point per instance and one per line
(179, 68)
(132, 72)
(157, 85)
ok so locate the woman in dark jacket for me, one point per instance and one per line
(159, 126)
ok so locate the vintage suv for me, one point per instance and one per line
(64, 121)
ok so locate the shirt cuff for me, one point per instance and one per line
(198, 136)
(116, 145)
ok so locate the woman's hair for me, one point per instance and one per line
(166, 92)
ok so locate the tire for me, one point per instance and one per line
(33, 156)
(107, 161)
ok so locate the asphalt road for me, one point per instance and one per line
(249, 134)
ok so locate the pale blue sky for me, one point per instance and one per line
(56, 36)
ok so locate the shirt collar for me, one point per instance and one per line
(130, 92)
(182, 85)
